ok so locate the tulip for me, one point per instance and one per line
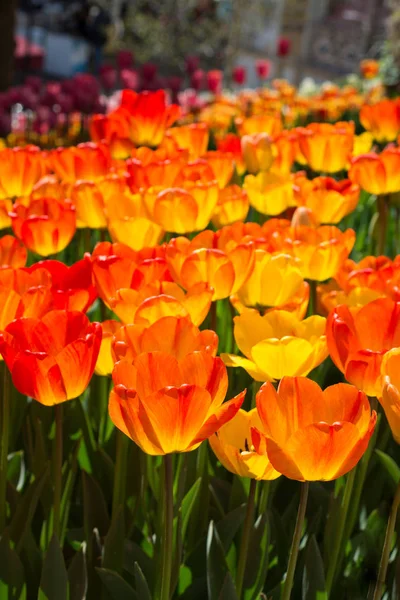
(327, 147)
(263, 68)
(285, 150)
(283, 46)
(222, 165)
(377, 173)
(278, 344)
(152, 168)
(71, 287)
(174, 335)
(193, 137)
(46, 225)
(233, 446)
(239, 75)
(20, 169)
(270, 123)
(390, 395)
(268, 193)
(167, 405)
(51, 359)
(86, 161)
(24, 294)
(12, 252)
(358, 339)
(382, 119)
(369, 68)
(329, 200)
(214, 81)
(310, 434)
(257, 152)
(206, 260)
(5, 209)
(233, 206)
(89, 205)
(321, 250)
(106, 358)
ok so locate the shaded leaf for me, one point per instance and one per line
(12, 576)
(16, 469)
(77, 575)
(54, 579)
(217, 568)
(114, 544)
(229, 525)
(228, 591)
(313, 587)
(188, 503)
(390, 466)
(257, 565)
(142, 588)
(117, 587)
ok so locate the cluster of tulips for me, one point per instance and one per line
(137, 271)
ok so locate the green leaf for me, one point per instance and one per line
(313, 575)
(228, 591)
(217, 568)
(22, 518)
(114, 544)
(187, 505)
(142, 588)
(54, 580)
(12, 576)
(390, 466)
(135, 554)
(77, 575)
(229, 525)
(16, 470)
(257, 565)
(94, 506)
(117, 587)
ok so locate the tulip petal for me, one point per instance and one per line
(231, 360)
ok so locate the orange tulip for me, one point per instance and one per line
(24, 294)
(321, 250)
(89, 204)
(193, 137)
(71, 287)
(174, 335)
(86, 161)
(222, 165)
(46, 225)
(205, 259)
(270, 194)
(390, 396)
(327, 147)
(310, 434)
(152, 168)
(167, 405)
(377, 173)
(142, 118)
(266, 123)
(233, 446)
(20, 169)
(12, 252)
(257, 152)
(369, 68)
(358, 339)
(114, 130)
(382, 119)
(285, 150)
(231, 143)
(51, 360)
(329, 200)
(106, 359)
(5, 208)
(233, 205)
(185, 209)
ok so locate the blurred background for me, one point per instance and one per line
(180, 44)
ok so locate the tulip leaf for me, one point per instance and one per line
(77, 575)
(187, 505)
(68, 489)
(217, 567)
(229, 525)
(22, 518)
(95, 507)
(228, 591)
(54, 579)
(114, 543)
(390, 466)
(12, 576)
(313, 575)
(117, 587)
(142, 588)
(134, 553)
(16, 470)
(257, 565)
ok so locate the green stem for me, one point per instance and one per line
(167, 542)
(264, 497)
(383, 209)
(58, 460)
(244, 546)
(312, 306)
(5, 428)
(213, 316)
(294, 550)
(387, 546)
(339, 530)
(120, 472)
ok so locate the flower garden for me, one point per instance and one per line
(200, 334)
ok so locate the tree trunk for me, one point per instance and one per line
(7, 27)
